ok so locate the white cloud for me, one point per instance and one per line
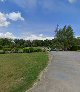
(72, 1)
(30, 4)
(15, 16)
(5, 18)
(25, 37)
(2, 0)
(7, 35)
(35, 37)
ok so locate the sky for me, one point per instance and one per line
(37, 19)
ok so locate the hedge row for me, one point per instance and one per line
(22, 50)
(75, 48)
(29, 50)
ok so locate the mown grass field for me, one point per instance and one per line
(18, 72)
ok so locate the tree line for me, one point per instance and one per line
(64, 40)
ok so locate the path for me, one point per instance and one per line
(63, 74)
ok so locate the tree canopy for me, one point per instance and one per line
(65, 37)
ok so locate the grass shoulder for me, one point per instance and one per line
(19, 71)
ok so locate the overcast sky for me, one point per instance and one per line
(37, 19)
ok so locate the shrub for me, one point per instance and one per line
(20, 51)
(1, 47)
(7, 49)
(75, 48)
(39, 50)
(2, 52)
(26, 50)
(31, 49)
(12, 50)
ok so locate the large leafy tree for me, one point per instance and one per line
(65, 37)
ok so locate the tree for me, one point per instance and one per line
(65, 37)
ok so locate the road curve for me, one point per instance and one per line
(63, 74)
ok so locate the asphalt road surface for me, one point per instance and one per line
(63, 74)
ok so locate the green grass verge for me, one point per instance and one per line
(18, 72)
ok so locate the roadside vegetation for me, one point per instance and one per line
(64, 39)
(21, 61)
(19, 71)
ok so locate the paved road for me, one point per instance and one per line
(63, 74)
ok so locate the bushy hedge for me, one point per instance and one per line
(38, 50)
(26, 50)
(7, 49)
(32, 49)
(22, 50)
(75, 48)
(2, 52)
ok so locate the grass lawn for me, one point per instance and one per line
(18, 72)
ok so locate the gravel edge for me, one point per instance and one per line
(42, 72)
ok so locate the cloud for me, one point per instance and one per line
(14, 16)
(35, 37)
(2, 0)
(5, 18)
(72, 1)
(7, 35)
(27, 36)
(46, 6)
(31, 4)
